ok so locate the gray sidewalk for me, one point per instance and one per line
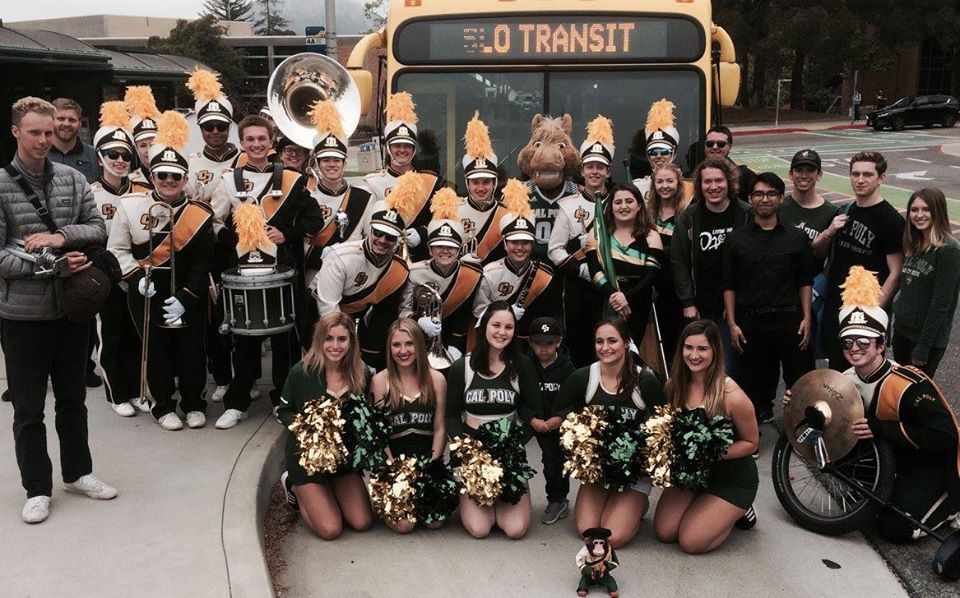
(162, 536)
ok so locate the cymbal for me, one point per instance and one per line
(837, 398)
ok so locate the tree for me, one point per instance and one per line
(228, 10)
(270, 20)
(202, 40)
(375, 13)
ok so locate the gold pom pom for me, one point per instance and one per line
(172, 130)
(516, 199)
(580, 435)
(600, 130)
(660, 446)
(204, 85)
(407, 195)
(477, 138)
(249, 223)
(393, 490)
(861, 288)
(660, 115)
(140, 102)
(114, 114)
(326, 119)
(318, 432)
(400, 107)
(444, 204)
(481, 473)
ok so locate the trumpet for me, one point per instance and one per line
(428, 302)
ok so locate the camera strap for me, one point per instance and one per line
(32, 196)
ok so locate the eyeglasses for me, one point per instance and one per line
(862, 343)
(382, 235)
(758, 195)
(162, 176)
(291, 151)
(117, 155)
(218, 127)
(659, 151)
(711, 143)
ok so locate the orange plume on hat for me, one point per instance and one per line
(600, 130)
(140, 101)
(406, 195)
(204, 85)
(516, 199)
(400, 107)
(861, 288)
(172, 130)
(444, 204)
(114, 114)
(477, 138)
(660, 115)
(326, 119)
(249, 223)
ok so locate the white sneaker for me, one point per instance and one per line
(90, 486)
(218, 394)
(254, 393)
(171, 421)
(36, 509)
(196, 419)
(123, 409)
(954, 521)
(141, 404)
(230, 418)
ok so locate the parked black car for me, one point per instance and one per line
(916, 110)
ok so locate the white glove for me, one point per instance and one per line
(454, 353)
(142, 287)
(326, 251)
(585, 272)
(429, 326)
(173, 309)
(413, 237)
(518, 312)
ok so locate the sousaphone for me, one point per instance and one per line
(300, 81)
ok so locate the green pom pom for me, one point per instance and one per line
(438, 492)
(699, 442)
(366, 434)
(503, 439)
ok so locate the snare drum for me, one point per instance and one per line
(260, 304)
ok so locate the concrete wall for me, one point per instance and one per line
(119, 26)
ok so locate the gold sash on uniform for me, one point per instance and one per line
(191, 219)
(468, 278)
(271, 205)
(391, 280)
(323, 237)
(490, 237)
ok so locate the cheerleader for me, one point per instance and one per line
(413, 394)
(614, 380)
(701, 521)
(493, 382)
(331, 368)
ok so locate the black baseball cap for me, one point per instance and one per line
(806, 157)
(545, 328)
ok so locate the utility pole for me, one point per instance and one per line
(780, 82)
(330, 12)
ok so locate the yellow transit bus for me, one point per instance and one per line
(513, 59)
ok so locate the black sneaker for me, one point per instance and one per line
(92, 380)
(748, 521)
(766, 417)
(554, 512)
(6, 398)
(288, 491)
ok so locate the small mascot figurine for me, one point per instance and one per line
(596, 560)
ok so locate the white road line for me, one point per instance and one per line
(953, 166)
(919, 160)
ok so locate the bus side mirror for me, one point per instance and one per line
(364, 81)
(729, 81)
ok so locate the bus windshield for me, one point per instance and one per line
(508, 101)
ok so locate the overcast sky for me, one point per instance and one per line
(51, 9)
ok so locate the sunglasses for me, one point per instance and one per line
(175, 176)
(218, 127)
(711, 144)
(382, 235)
(862, 343)
(117, 155)
(659, 151)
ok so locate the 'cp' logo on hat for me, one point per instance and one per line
(446, 231)
(521, 223)
(169, 156)
(330, 142)
(544, 328)
(119, 134)
(480, 163)
(858, 317)
(213, 107)
(390, 216)
(148, 124)
(596, 148)
(403, 131)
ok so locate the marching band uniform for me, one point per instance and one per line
(401, 127)
(175, 359)
(906, 408)
(143, 127)
(286, 205)
(529, 286)
(661, 132)
(482, 238)
(359, 282)
(119, 348)
(571, 229)
(457, 288)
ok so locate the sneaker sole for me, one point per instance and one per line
(562, 515)
(88, 495)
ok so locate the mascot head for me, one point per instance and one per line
(550, 155)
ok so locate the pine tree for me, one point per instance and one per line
(228, 10)
(270, 21)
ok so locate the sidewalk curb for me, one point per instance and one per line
(245, 503)
(778, 130)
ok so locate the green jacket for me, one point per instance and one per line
(929, 285)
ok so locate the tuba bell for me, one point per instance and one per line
(300, 81)
(427, 302)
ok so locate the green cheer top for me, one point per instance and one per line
(470, 394)
(300, 388)
(411, 427)
(584, 387)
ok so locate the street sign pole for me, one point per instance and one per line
(776, 121)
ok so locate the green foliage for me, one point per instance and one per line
(202, 40)
(270, 19)
(228, 10)
(375, 12)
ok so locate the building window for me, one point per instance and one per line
(935, 75)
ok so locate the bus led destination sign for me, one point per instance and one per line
(549, 38)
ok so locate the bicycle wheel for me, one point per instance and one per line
(820, 502)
